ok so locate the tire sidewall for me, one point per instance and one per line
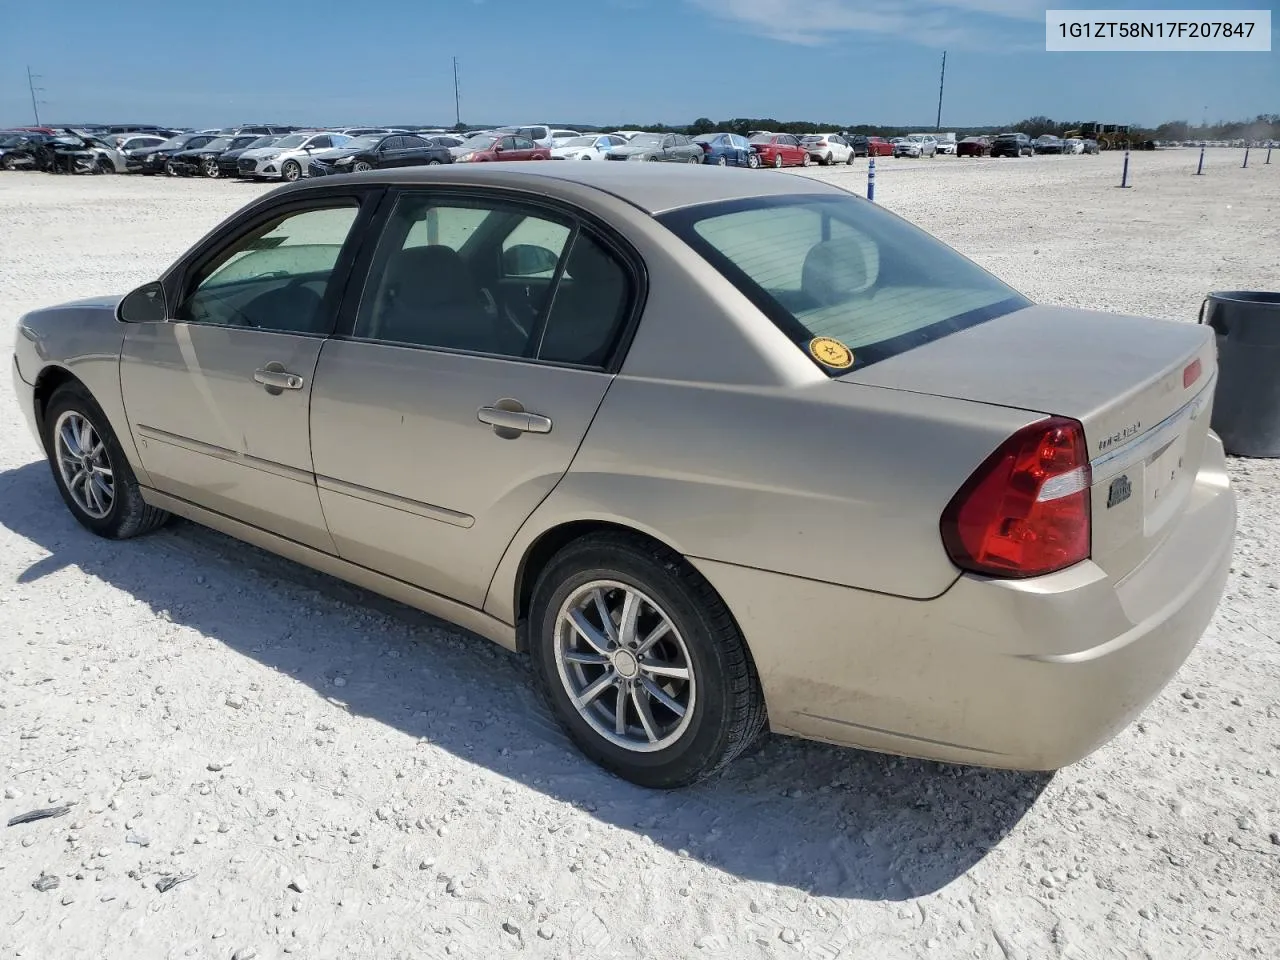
(703, 739)
(127, 499)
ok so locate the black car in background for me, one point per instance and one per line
(229, 160)
(861, 146)
(1012, 145)
(156, 159)
(378, 152)
(1049, 144)
(21, 150)
(203, 161)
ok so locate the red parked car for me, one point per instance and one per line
(780, 150)
(879, 147)
(507, 147)
(973, 147)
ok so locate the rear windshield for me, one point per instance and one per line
(839, 267)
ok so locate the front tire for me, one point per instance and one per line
(362, 166)
(291, 171)
(211, 169)
(641, 662)
(90, 468)
(753, 161)
(105, 166)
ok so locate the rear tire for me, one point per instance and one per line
(753, 161)
(850, 158)
(807, 161)
(723, 705)
(777, 161)
(127, 514)
(104, 166)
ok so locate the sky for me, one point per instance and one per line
(599, 62)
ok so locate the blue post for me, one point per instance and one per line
(1246, 157)
(1200, 168)
(1124, 174)
(1268, 160)
(871, 179)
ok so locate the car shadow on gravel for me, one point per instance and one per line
(825, 820)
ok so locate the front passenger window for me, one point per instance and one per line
(276, 276)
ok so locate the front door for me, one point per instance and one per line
(459, 397)
(218, 396)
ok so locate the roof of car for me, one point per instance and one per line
(654, 188)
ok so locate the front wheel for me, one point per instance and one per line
(641, 662)
(291, 171)
(753, 161)
(211, 169)
(362, 166)
(90, 468)
(105, 166)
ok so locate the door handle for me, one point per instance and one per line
(509, 419)
(276, 378)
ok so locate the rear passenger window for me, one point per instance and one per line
(493, 277)
(589, 308)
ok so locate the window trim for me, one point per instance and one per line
(579, 220)
(177, 280)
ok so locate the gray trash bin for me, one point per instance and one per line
(1246, 405)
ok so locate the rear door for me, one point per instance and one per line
(444, 415)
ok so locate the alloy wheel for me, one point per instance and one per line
(83, 464)
(625, 666)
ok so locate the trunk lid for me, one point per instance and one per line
(1142, 388)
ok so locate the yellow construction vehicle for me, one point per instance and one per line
(1110, 136)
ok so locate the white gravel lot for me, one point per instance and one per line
(216, 713)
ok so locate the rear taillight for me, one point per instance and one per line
(706, 147)
(1025, 511)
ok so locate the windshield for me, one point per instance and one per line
(830, 266)
(480, 143)
(261, 142)
(579, 142)
(173, 143)
(240, 143)
(646, 140)
(297, 140)
(221, 143)
(9, 141)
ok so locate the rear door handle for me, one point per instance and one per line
(276, 378)
(509, 419)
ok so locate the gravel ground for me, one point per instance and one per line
(332, 775)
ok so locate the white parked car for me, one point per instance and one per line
(827, 148)
(288, 157)
(917, 145)
(947, 145)
(560, 137)
(588, 147)
(1073, 145)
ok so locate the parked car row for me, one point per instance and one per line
(273, 152)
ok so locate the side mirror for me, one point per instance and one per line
(145, 305)
(528, 260)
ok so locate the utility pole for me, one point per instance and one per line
(457, 102)
(31, 85)
(941, 83)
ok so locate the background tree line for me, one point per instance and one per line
(1262, 127)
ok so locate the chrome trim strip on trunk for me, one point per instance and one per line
(1145, 444)
(416, 507)
(222, 453)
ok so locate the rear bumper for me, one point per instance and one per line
(1032, 674)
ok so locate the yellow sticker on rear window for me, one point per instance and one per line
(831, 353)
